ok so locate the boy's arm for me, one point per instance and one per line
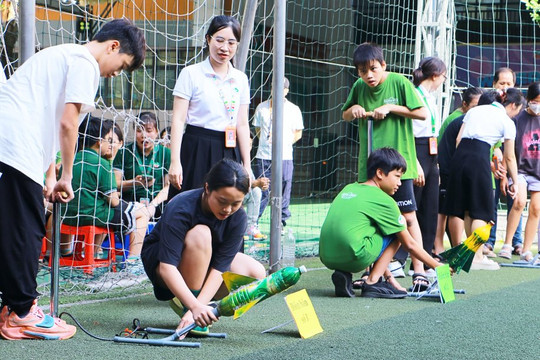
(50, 180)
(297, 135)
(415, 250)
(113, 199)
(69, 124)
(354, 112)
(421, 113)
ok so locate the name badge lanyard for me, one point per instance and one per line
(433, 138)
(230, 107)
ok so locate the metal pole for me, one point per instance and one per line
(55, 259)
(27, 30)
(277, 132)
(247, 30)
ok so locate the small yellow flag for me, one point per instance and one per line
(303, 314)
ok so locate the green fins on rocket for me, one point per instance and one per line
(245, 291)
(461, 256)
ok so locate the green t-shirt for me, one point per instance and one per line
(132, 162)
(358, 218)
(455, 114)
(93, 179)
(394, 131)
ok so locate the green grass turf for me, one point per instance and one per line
(494, 319)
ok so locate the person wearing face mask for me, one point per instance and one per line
(528, 160)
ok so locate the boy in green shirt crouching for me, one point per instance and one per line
(364, 227)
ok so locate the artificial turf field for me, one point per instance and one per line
(497, 318)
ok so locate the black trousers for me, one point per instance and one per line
(427, 196)
(22, 228)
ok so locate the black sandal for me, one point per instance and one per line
(420, 283)
(359, 283)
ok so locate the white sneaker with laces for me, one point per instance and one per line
(485, 264)
(396, 269)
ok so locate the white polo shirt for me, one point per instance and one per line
(213, 102)
(292, 121)
(431, 126)
(488, 123)
(32, 102)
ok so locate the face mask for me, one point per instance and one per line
(535, 108)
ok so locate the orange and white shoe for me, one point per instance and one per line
(254, 232)
(3, 316)
(35, 325)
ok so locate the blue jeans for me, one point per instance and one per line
(518, 235)
(264, 168)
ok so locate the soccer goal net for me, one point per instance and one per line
(320, 39)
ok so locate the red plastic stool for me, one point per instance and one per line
(84, 255)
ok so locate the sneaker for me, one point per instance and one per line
(180, 310)
(485, 264)
(177, 306)
(488, 251)
(254, 232)
(3, 315)
(518, 249)
(431, 273)
(35, 325)
(396, 268)
(343, 284)
(135, 266)
(382, 289)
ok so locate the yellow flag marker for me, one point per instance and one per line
(303, 313)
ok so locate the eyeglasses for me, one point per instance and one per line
(111, 141)
(232, 43)
(445, 77)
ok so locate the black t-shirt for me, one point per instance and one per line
(447, 145)
(166, 241)
(528, 143)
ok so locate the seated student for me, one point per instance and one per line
(165, 137)
(364, 227)
(96, 199)
(142, 167)
(198, 237)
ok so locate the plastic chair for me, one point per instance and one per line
(83, 250)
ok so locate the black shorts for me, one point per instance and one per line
(123, 220)
(404, 197)
(469, 187)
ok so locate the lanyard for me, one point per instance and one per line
(429, 108)
(230, 104)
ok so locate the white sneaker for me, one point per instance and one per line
(431, 273)
(485, 264)
(396, 269)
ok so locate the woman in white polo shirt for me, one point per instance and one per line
(212, 98)
(469, 193)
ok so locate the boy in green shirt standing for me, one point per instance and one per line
(364, 227)
(392, 102)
